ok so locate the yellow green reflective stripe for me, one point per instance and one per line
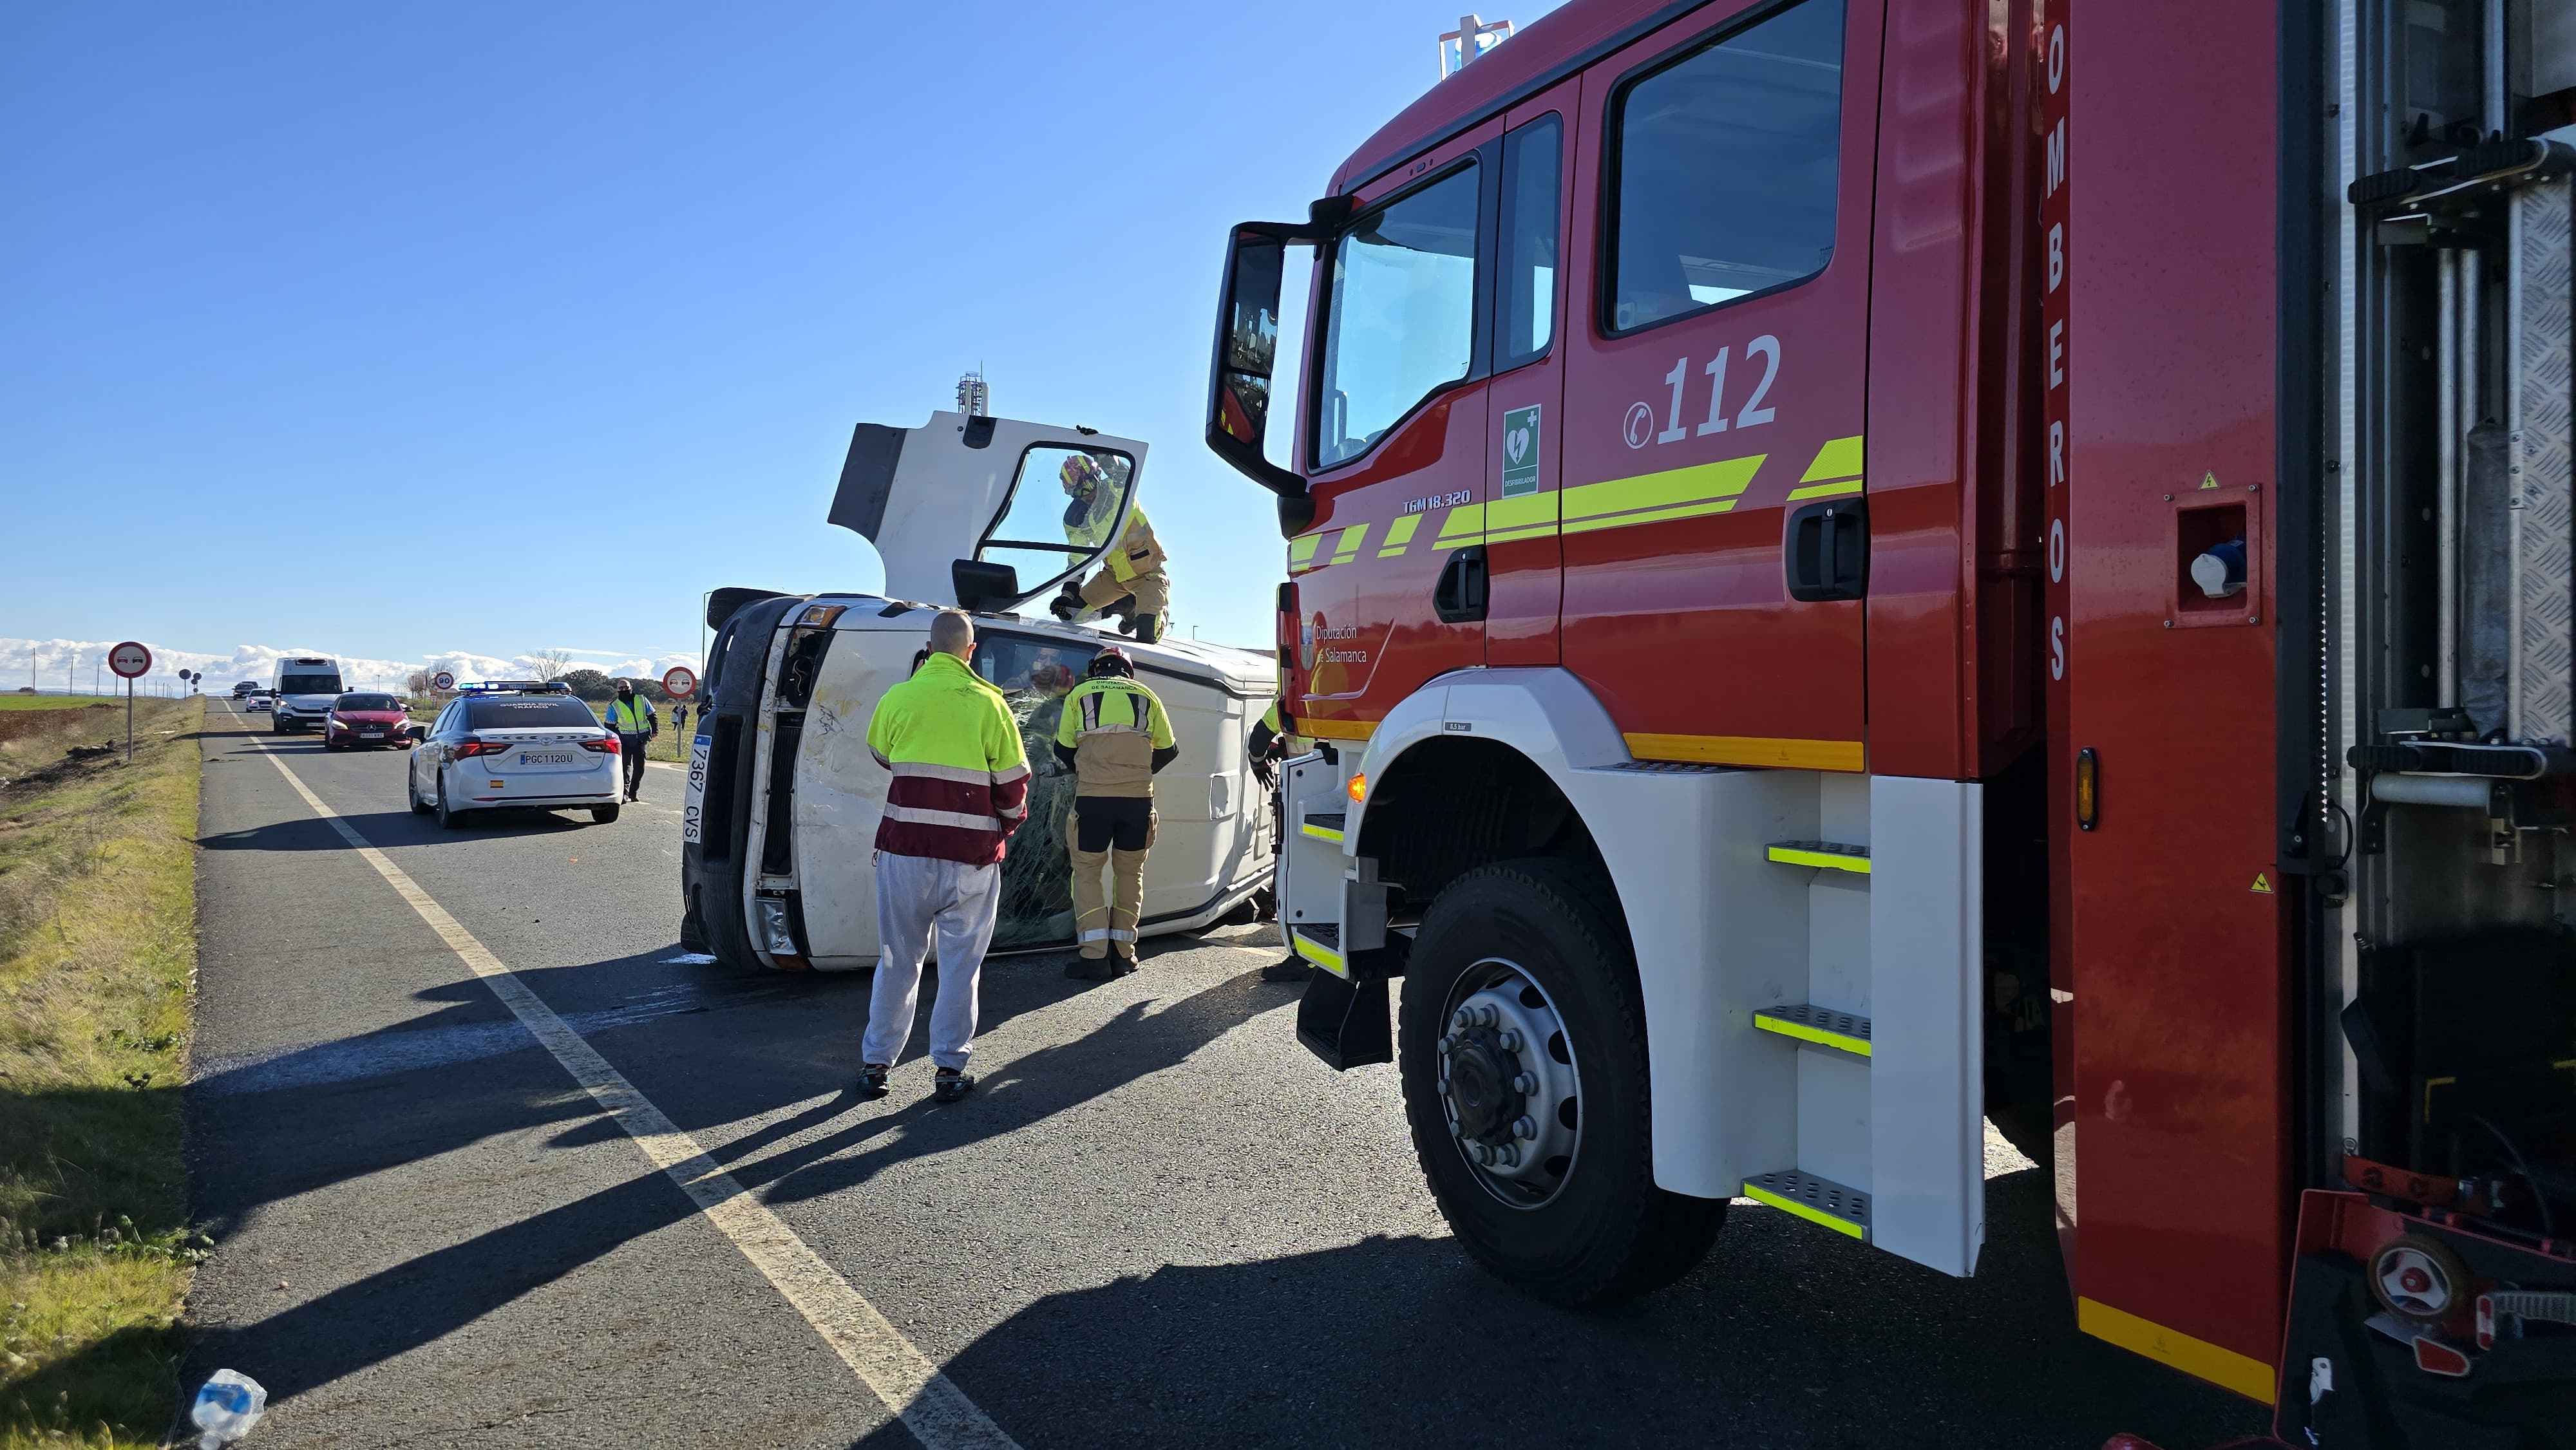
(1301, 550)
(1825, 490)
(1804, 1033)
(1349, 547)
(1839, 458)
(1530, 516)
(1330, 961)
(1836, 471)
(1702, 488)
(1460, 526)
(1830, 860)
(1320, 833)
(1399, 534)
(1787, 1204)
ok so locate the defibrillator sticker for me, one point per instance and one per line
(1520, 451)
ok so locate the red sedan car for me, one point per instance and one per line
(359, 719)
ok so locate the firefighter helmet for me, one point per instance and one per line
(1112, 661)
(1082, 475)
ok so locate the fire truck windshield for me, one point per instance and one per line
(1403, 313)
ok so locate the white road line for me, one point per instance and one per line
(934, 1409)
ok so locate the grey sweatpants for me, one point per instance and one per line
(915, 896)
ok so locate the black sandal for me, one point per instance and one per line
(872, 1079)
(950, 1085)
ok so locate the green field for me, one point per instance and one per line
(97, 949)
(66, 702)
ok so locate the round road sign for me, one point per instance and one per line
(130, 660)
(680, 682)
(442, 681)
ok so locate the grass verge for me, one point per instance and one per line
(97, 950)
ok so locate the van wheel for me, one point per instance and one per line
(1522, 1046)
(602, 815)
(448, 820)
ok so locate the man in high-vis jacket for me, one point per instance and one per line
(961, 787)
(631, 716)
(1114, 734)
(1130, 584)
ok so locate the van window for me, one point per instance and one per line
(1402, 318)
(308, 684)
(1526, 305)
(1077, 496)
(1725, 168)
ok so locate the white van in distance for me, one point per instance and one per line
(304, 687)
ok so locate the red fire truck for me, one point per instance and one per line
(1863, 567)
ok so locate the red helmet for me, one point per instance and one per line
(1112, 661)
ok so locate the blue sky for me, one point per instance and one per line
(412, 331)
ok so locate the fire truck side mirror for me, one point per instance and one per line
(1245, 375)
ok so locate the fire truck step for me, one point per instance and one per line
(1817, 1026)
(1325, 826)
(1830, 855)
(1320, 943)
(1817, 1200)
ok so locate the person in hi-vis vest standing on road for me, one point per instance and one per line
(960, 788)
(631, 716)
(1114, 734)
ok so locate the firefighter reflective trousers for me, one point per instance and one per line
(1117, 832)
(917, 897)
(1152, 594)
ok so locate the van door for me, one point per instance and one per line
(1713, 513)
(983, 491)
(1395, 445)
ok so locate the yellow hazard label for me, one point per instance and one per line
(2209, 480)
(2262, 883)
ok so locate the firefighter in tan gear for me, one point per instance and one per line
(1130, 585)
(1114, 734)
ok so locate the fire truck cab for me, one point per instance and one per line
(1866, 566)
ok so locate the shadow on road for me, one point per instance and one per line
(1403, 1342)
(345, 1110)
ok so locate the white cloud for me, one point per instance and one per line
(49, 663)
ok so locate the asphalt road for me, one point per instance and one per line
(1159, 1222)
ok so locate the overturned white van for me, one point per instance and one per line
(783, 795)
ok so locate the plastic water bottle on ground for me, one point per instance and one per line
(227, 1407)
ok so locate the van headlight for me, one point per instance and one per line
(773, 927)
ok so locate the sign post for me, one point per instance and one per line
(129, 660)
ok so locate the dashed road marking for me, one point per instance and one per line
(891, 1366)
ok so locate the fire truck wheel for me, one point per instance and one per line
(1522, 1043)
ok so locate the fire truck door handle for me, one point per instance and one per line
(1459, 596)
(1826, 550)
